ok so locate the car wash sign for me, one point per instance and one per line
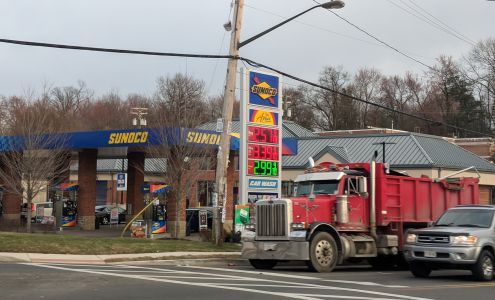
(261, 134)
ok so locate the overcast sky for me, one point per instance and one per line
(302, 47)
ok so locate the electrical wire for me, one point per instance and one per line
(219, 51)
(376, 38)
(421, 16)
(441, 22)
(110, 50)
(248, 61)
(433, 122)
(313, 26)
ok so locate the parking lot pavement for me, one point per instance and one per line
(290, 282)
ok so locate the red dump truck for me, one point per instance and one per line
(349, 212)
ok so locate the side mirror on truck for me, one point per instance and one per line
(363, 187)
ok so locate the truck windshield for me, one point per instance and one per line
(466, 218)
(321, 187)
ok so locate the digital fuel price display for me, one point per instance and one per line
(259, 134)
(262, 167)
(260, 151)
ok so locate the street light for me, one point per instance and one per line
(336, 4)
(228, 102)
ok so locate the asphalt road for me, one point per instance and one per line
(155, 281)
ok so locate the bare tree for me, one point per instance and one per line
(301, 113)
(480, 72)
(31, 158)
(178, 107)
(328, 105)
(68, 102)
(366, 86)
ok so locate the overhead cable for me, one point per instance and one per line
(110, 50)
(433, 122)
(248, 61)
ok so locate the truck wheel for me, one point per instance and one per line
(323, 253)
(419, 270)
(483, 269)
(263, 264)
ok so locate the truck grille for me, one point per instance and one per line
(433, 239)
(271, 219)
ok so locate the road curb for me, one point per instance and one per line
(171, 258)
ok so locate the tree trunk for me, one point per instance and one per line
(28, 215)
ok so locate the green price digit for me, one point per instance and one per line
(263, 167)
(273, 169)
(256, 167)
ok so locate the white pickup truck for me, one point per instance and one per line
(462, 238)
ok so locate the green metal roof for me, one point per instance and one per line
(407, 150)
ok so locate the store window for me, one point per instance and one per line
(205, 188)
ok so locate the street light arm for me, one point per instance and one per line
(274, 27)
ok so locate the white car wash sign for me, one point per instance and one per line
(262, 184)
(261, 134)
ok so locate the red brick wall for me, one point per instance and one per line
(86, 200)
(135, 180)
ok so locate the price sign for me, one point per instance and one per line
(259, 134)
(262, 168)
(266, 152)
(261, 147)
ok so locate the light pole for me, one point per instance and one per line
(228, 103)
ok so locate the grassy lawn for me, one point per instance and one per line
(67, 244)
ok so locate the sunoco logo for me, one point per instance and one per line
(264, 90)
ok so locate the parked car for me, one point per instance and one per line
(38, 211)
(462, 238)
(192, 220)
(103, 214)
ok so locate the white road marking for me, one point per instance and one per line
(220, 286)
(300, 277)
(286, 295)
(202, 277)
(346, 297)
(366, 283)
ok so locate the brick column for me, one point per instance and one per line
(86, 200)
(172, 213)
(11, 216)
(135, 180)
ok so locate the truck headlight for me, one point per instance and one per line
(298, 226)
(411, 238)
(467, 240)
(250, 227)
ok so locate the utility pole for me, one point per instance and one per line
(228, 104)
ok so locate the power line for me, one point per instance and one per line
(421, 16)
(110, 50)
(434, 122)
(248, 61)
(440, 21)
(313, 26)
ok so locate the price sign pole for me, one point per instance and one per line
(261, 136)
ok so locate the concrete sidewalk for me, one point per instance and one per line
(171, 257)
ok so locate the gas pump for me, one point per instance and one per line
(66, 204)
(159, 219)
(158, 222)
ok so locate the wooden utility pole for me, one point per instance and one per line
(228, 103)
